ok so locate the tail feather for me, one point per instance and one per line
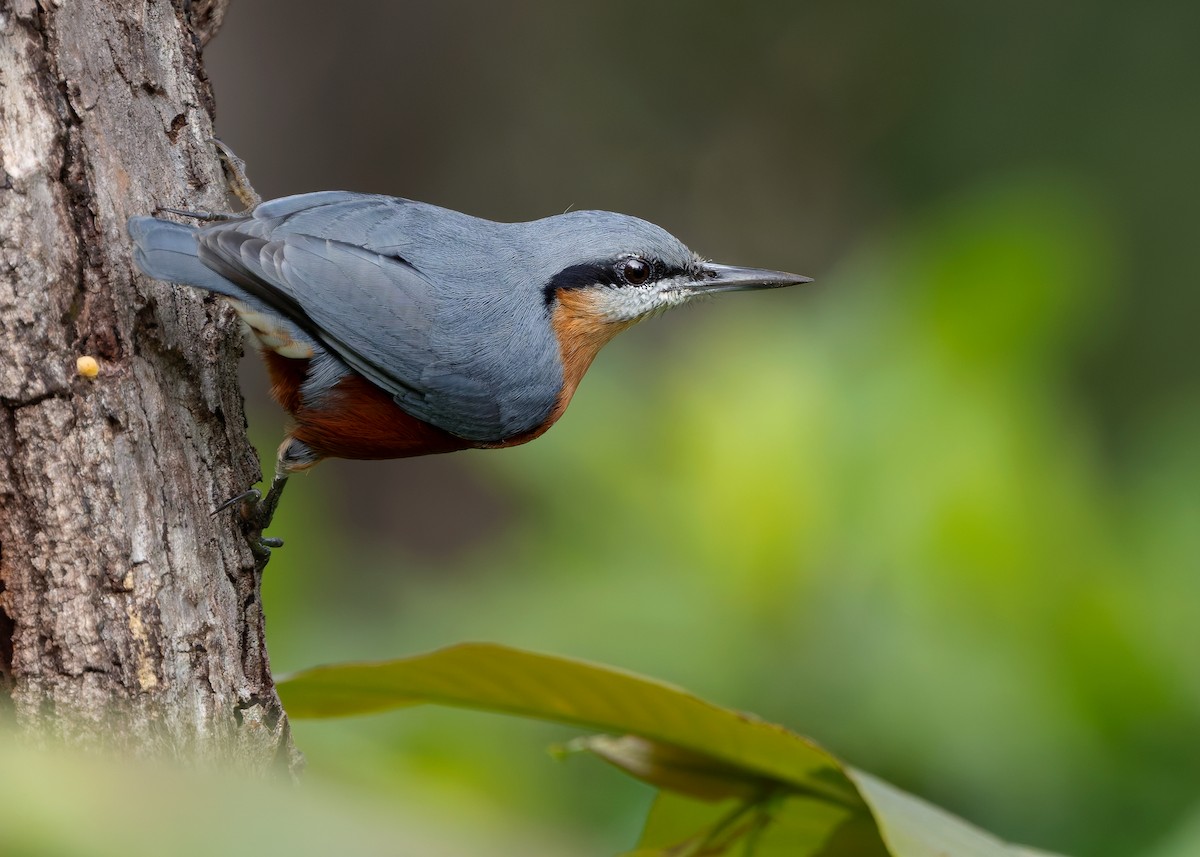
(168, 251)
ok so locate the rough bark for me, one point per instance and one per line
(128, 614)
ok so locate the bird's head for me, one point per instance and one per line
(601, 272)
(618, 269)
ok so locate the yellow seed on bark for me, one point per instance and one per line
(87, 367)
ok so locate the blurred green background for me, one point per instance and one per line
(938, 511)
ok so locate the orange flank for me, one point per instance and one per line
(286, 377)
(355, 420)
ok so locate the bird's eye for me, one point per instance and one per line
(634, 271)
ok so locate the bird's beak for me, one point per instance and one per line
(729, 278)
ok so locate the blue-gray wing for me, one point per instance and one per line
(464, 358)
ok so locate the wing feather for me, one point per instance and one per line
(465, 359)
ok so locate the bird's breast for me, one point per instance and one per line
(580, 330)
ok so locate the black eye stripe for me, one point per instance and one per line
(605, 273)
(580, 277)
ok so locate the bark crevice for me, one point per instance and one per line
(6, 642)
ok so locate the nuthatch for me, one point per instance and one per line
(394, 328)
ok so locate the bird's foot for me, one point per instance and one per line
(236, 182)
(257, 511)
(235, 176)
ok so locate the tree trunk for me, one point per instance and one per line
(129, 615)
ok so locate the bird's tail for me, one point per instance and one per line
(169, 251)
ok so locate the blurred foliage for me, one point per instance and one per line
(730, 782)
(55, 803)
(938, 510)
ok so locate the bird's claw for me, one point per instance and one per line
(236, 183)
(209, 216)
(261, 549)
(252, 496)
(235, 176)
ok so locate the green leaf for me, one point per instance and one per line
(915, 828)
(729, 780)
(497, 678)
